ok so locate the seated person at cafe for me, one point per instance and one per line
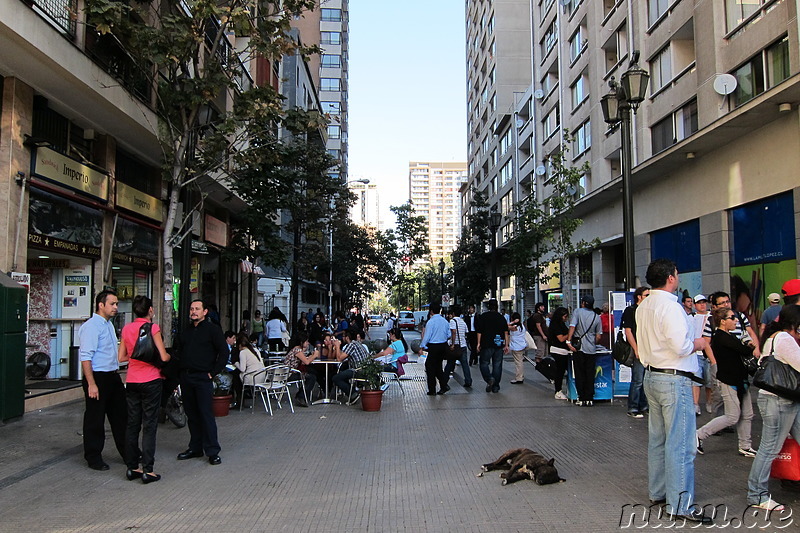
(248, 363)
(351, 355)
(300, 357)
(397, 348)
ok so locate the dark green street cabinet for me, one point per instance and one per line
(13, 310)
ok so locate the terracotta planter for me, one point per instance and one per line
(221, 405)
(371, 400)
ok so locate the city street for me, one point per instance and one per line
(411, 467)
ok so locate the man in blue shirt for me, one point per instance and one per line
(437, 333)
(102, 387)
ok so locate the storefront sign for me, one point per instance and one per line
(65, 171)
(48, 263)
(139, 202)
(63, 226)
(45, 242)
(135, 245)
(216, 231)
(195, 275)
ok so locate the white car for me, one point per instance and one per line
(405, 320)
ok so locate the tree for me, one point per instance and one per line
(195, 56)
(411, 238)
(545, 226)
(364, 260)
(471, 261)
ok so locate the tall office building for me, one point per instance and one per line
(328, 27)
(434, 192)
(366, 209)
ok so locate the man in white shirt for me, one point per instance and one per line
(667, 350)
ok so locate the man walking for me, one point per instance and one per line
(492, 328)
(103, 390)
(586, 324)
(472, 335)
(203, 355)
(537, 326)
(437, 333)
(666, 348)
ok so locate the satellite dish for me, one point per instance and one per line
(725, 84)
(519, 122)
(541, 170)
(572, 190)
(538, 94)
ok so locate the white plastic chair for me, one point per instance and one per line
(276, 385)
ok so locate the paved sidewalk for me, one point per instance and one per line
(411, 467)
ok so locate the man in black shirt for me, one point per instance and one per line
(492, 331)
(204, 353)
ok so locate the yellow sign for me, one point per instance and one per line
(216, 231)
(61, 169)
(139, 202)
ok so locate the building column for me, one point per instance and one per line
(715, 257)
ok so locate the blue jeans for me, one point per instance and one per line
(464, 359)
(780, 416)
(671, 445)
(495, 355)
(637, 399)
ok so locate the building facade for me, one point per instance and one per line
(366, 209)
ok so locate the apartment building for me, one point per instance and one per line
(433, 188)
(498, 67)
(716, 143)
(366, 209)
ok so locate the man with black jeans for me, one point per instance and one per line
(204, 353)
(472, 335)
(437, 333)
(492, 328)
(102, 387)
(586, 324)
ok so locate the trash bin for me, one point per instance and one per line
(13, 315)
(74, 363)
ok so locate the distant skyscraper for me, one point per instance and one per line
(365, 210)
(434, 191)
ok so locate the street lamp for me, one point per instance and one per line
(494, 224)
(365, 181)
(441, 275)
(617, 106)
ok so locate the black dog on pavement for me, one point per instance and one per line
(523, 463)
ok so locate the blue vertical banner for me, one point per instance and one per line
(619, 301)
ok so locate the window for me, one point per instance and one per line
(334, 153)
(778, 62)
(660, 70)
(331, 15)
(507, 204)
(331, 61)
(330, 37)
(582, 139)
(674, 127)
(331, 108)
(550, 38)
(544, 6)
(330, 84)
(737, 11)
(334, 132)
(656, 8)
(577, 43)
(572, 5)
(506, 173)
(505, 143)
(549, 82)
(579, 90)
(486, 144)
(551, 122)
(490, 27)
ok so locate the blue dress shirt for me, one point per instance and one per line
(437, 331)
(98, 344)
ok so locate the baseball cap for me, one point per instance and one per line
(791, 287)
(589, 299)
(700, 298)
(774, 297)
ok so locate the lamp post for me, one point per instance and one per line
(441, 275)
(494, 224)
(617, 106)
(330, 250)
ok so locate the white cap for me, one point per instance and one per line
(774, 297)
(700, 298)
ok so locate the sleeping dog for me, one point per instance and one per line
(523, 463)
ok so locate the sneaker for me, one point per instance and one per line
(588, 403)
(708, 408)
(489, 385)
(579, 403)
(769, 505)
(747, 452)
(634, 414)
(561, 396)
(699, 444)
(697, 410)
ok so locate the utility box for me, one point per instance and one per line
(13, 314)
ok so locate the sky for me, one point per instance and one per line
(407, 91)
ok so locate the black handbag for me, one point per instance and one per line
(455, 351)
(145, 348)
(578, 339)
(777, 377)
(622, 352)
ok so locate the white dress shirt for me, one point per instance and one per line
(665, 333)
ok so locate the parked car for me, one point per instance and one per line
(375, 320)
(405, 320)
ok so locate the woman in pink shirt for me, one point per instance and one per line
(143, 392)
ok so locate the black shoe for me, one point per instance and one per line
(150, 478)
(102, 466)
(489, 385)
(468, 385)
(662, 501)
(515, 382)
(301, 402)
(215, 460)
(496, 388)
(133, 474)
(694, 514)
(431, 393)
(189, 454)
(444, 389)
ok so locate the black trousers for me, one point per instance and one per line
(110, 404)
(196, 390)
(437, 353)
(561, 368)
(144, 400)
(472, 342)
(584, 365)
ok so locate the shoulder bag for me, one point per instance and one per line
(529, 340)
(622, 351)
(145, 348)
(456, 349)
(577, 339)
(777, 377)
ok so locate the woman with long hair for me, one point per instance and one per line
(557, 335)
(274, 330)
(517, 345)
(248, 363)
(397, 348)
(143, 393)
(779, 415)
(316, 329)
(300, 356)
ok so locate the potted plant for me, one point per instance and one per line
(371, 391)
(221, 401)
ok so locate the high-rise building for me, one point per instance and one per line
(366, 209)
(328, 27)
(434, 192)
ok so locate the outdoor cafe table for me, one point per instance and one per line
(273, 357)
(328, 363)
